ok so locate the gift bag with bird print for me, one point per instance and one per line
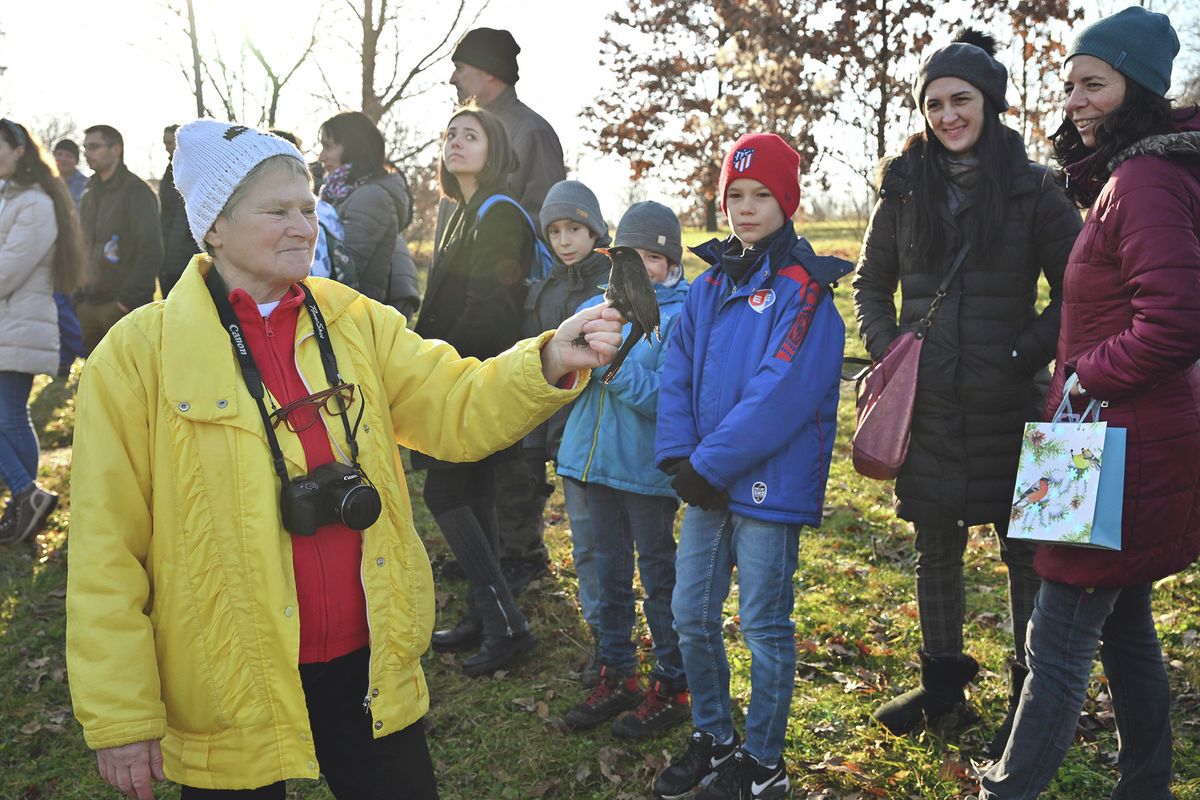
(1070, 480)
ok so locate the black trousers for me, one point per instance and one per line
(355, 764)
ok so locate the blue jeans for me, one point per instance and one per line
(1067, 624)
(70, 335)
(18, 441)
(710, 544)
(621, 521)
(583, 551)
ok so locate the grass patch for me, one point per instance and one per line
(857, 635)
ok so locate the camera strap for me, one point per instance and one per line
(252, 376)
(329, 362)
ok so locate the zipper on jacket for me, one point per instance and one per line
(370, 633)
(595, 437)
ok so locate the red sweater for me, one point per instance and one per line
(333, 607)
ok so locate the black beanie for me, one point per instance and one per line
(492, 50)
(966, 59)
(69, 146)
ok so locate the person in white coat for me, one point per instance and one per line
(40, 252)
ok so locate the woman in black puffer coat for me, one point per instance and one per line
(964, 181)
(474, 300)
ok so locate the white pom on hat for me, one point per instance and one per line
(211, 159)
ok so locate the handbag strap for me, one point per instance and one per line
(959, 258)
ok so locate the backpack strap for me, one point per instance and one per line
(488, 204)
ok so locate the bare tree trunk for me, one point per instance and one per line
(710, 214)
(884, 86)
(371, 105)
(197, 78)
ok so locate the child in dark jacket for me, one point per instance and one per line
(573, 226)
(608, 450)
(746, 423)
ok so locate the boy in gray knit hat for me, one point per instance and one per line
(573, 225)
(653, 230)
(607, 452)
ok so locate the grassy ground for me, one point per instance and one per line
(857, 634)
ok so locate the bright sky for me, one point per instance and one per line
(118, 63)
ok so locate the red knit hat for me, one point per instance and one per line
(768, 159)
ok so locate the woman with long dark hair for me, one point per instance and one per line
(963, 203)
(41, 252)
(474, 300)
(374, 205)
(1130, 340)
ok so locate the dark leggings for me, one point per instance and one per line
(940, 592)
(356, 765)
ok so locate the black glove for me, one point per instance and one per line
(696, 491)
(671, 465)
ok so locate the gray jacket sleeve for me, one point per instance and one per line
(368, 216)
(138, 286)
(541, 157)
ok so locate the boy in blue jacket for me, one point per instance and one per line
(608, 450)
(746, 421)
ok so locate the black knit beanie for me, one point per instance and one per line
(970, 58)
(492, 50)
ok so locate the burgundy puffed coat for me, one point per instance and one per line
(1131, 330)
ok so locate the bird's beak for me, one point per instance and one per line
(602, 251)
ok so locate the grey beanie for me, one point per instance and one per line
(651, 226)
(966, 61)
(1139, 44)
(574, 201)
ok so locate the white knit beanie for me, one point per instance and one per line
(211, 159)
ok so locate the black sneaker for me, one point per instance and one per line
(763, 783)
(26, 512)
(744, 778)
(661, 710)
(695, 767)
(612, 695)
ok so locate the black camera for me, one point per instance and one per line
(331, 493)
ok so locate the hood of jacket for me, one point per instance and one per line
(1182, 145)
(824, 269)
(397, 188)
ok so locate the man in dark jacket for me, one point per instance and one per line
(121, 231)
(178, 244)
(485, 67)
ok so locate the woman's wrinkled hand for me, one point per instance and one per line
(587, 340)
(132, 768)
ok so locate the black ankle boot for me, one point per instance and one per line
(466, 635)
(506, 634)
(497, 651)
(940, 692)
(1017, 673)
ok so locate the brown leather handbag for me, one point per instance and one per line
(886, 391)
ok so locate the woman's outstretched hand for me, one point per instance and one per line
(587, 340)
(132, 768)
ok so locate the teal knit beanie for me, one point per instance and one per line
(1139, 44)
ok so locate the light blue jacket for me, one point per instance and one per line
(609, 438)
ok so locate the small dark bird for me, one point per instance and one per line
(631, 293)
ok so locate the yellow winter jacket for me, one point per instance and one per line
(181, 602)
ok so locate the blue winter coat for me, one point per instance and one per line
(750, 386)
(609, 438)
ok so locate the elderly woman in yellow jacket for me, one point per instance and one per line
(248, 599)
